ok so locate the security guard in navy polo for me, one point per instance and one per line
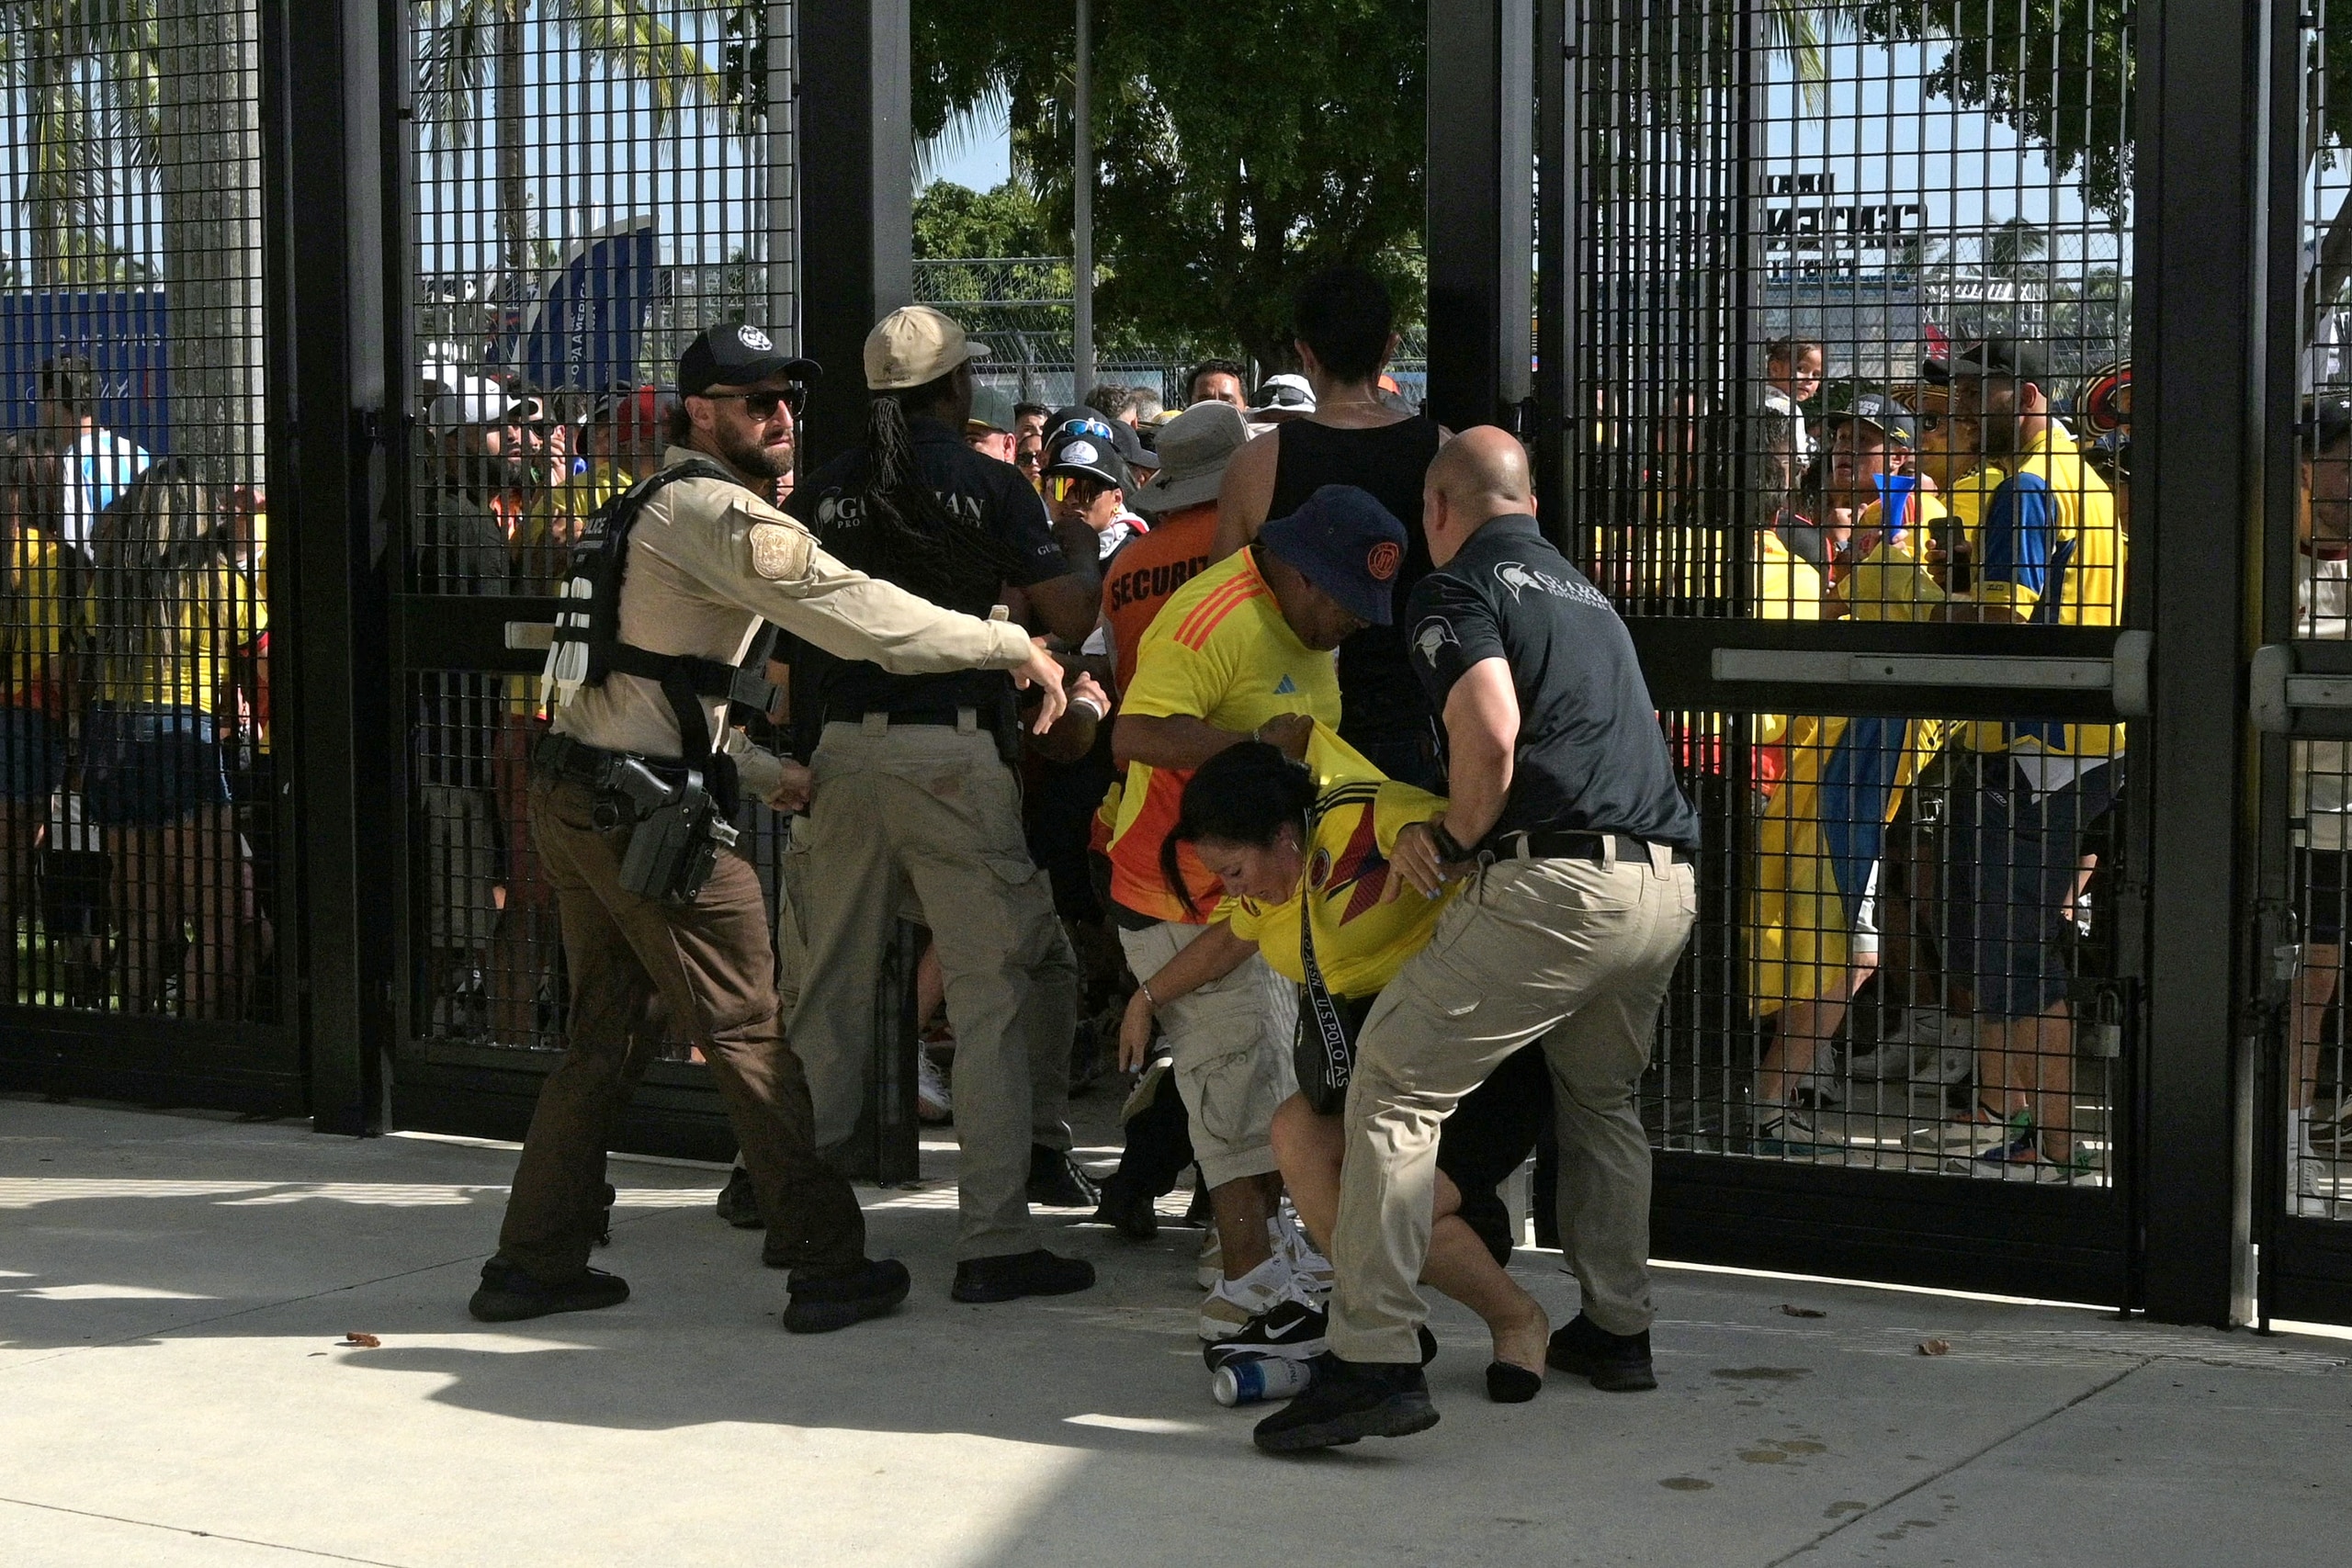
(1563, 817)
(915, 788)
(630, 793)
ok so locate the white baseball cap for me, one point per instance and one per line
(913, 345)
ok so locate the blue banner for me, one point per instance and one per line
(586, 329)
(122, 334)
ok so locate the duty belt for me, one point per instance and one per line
(966, 717)
(1573, 843)
(561, 758)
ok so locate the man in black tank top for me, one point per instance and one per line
(1345, 326)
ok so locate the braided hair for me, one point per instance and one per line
(1244, 794)
(909, 536)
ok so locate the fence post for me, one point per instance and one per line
(857, 196)
(1479, 88)
(2200, 201)
(335, 722)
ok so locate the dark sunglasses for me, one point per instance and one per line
(762, 406)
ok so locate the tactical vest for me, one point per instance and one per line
(587, 649)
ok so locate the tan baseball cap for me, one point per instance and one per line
(914, 345)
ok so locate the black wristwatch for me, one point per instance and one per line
(1445, 844)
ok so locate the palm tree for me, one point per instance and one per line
(163, 94)
(2009, 247)
(473, 50)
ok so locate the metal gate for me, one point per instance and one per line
(141, 878)
(581, 200)
(2301, 694)
(1903, 1044)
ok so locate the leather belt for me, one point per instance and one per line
(947, 717)
(561, 758)
(1573, 843)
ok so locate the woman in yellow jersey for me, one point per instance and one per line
(1289, 854)
(170, 621)
(33, 622)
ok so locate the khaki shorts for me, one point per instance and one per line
(1229, 1047)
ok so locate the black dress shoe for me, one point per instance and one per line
(738, 1204)
(1127, 1210)
(1509, 1384)
(1617, 1364)
(1349, 1401)
(821, 1301)
(1008, 1278)
(1056, 1182)
(508, 1295)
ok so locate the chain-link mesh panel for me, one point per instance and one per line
(137, 803)
(1853, 328)
(594, 183)
(2319, 1097)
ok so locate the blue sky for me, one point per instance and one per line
(977, 153)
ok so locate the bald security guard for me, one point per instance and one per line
(915, 788)
(708, 561)
(1565, 822)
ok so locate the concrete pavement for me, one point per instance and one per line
(173, 1290)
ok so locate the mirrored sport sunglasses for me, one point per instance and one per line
(762, 406)
(1092, 428)
(1061, 487)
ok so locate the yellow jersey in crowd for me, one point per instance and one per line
(1359, 943)
(1219, 651)
(218, 613)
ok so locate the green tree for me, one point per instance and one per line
(953, 220)
(1235, 155)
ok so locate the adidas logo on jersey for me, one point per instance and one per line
(1285, 687)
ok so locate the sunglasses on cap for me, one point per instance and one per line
(1061, 487)
(762, 406)
(1093, 427)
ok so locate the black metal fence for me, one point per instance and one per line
(405, 279)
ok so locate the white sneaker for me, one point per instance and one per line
(1209, 1266)
(932, 1100)
(2311, 1197)
(1886, 1060)
(1309, 1268)
(1786, 1130)
(1943, 1049)
(1231, 1303)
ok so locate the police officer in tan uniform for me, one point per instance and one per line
(708, 561)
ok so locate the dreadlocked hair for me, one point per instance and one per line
(909, 536)
(1244, 794)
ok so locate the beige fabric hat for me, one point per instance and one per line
(1194, 447)
(914, 345)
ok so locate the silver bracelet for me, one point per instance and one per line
(1145, 986)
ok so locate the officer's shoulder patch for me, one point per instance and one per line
(779, 552)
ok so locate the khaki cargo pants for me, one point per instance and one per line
(713, 967)
(933, 808)
(1229, 1047)
(1572, 952)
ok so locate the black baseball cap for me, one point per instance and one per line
(1345, 543)
(1890, 418)
(728, 354)
(1087, 454)
(1993, 356)
(2327, 416)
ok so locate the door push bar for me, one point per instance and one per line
(2276, 693)
(2124, 675)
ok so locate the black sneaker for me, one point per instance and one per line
(821, 1301)
(1617, 1364)
(1349, 1401)
(1128, 1210)
(1018, 1274)
(508, 1295)
(1056, 1182)
(1290, 1330)
(738, 1205)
